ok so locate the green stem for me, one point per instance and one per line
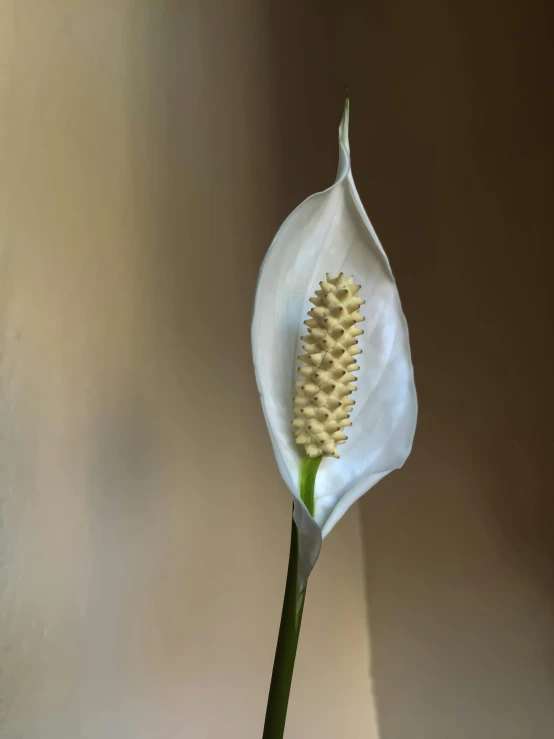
(308, 471)
(291, 617)
(285, 652)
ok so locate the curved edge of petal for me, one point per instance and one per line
(310, 538)
(372, 476)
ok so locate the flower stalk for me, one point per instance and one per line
(291, 617)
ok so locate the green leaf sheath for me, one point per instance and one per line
(291, 617)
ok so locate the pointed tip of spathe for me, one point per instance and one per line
(344, 125)
(346, 104)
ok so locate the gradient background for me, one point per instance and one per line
(148, 153)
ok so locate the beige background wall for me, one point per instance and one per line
(145, 528)
(149, 151)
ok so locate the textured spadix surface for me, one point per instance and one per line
(323, 399)
(330, 232)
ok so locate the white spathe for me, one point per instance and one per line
(330, 232)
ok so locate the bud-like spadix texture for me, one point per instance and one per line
(323, 399)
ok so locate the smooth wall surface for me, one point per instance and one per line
(147, 160)
(452, 121)
(149, 151)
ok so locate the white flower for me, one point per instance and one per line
(331, 233)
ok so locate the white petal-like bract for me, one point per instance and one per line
(331, 233)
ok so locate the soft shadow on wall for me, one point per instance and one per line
(452, 118)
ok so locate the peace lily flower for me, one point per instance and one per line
(331, 233)
(323, 268)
